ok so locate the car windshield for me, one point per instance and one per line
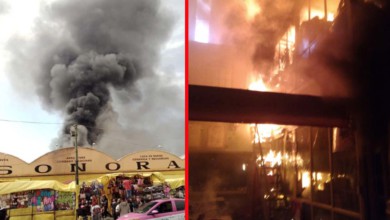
(144, 208)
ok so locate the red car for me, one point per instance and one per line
(161, 208)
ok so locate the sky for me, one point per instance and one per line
(144, 112)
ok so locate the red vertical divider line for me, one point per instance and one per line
(186, 60)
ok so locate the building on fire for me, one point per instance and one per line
(284, 123)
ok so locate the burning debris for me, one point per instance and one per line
(86, 53)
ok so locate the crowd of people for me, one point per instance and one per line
(121, 196)
(94, 208)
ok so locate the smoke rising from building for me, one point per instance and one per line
(82, 86)
(268, 28)
(327, 72)
(260, 32)
(85, 55)
(252, 34)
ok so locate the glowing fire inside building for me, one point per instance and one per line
(283, 123)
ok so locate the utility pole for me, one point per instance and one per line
(74, 134)
(77, 156)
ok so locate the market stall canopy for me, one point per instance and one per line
(20, 186)
(175, 180)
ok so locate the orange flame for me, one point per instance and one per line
(252, 9)
(264, 131)
(272, 158)
(316, 12)
(258, 85)
(288, 40)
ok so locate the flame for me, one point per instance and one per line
(286, 47)
(252, 9)
(273, 159)
(305, 179)
(270, 160)
(264, 132)
(319, 179)
(316, 12)
(258, 85)
(330, 17)
(291, 35)
(292, 160)
(288, 40)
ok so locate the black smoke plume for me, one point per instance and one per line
(83, 52)
(83, 86)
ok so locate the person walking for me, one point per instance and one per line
(82, 212)
(124, 207)
(114, 204)
(96, 212)
(130, 205)
(104, 202)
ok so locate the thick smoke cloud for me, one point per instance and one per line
(85, 55)
(259, 35)
(349, 59)
(81, 87)
(268, 28)
(265, 29)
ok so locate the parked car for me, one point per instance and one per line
(161, 208)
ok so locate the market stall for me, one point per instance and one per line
(46, 188)
(41, 199)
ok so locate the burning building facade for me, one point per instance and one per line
(298, 147)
